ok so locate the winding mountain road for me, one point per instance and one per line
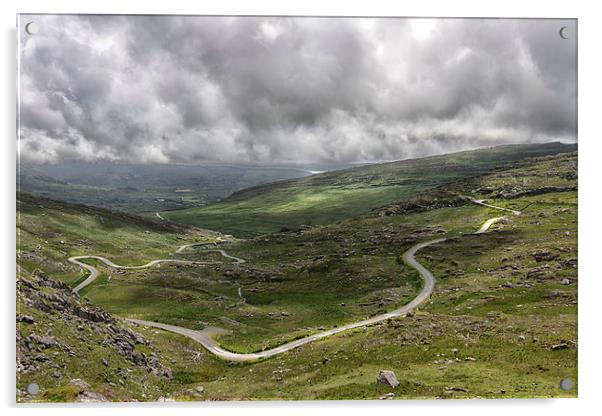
(94, 271)
(212, 346)
(237, 260)
(205, 338)
(485, 227)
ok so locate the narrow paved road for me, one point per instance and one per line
(94, 271)
(485, 227)
(212, 346)
(237, 260)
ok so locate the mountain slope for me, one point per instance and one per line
(501, 321)
(336, 195)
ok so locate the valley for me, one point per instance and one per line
(320, 254)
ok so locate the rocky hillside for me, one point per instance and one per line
(75, 351)
(537, 176)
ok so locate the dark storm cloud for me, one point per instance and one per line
(182, 89)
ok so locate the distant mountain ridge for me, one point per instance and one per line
(335, 195)
(145, 188)
(484, 155)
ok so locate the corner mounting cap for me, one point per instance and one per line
(32, 28)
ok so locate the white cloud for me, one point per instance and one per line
(154, 89)
(423, 28)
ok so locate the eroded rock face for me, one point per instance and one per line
(388, 378)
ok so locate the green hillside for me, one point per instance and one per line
(48, 232)
(332, 196)
(501, 321)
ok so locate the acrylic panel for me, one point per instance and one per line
(295, 208)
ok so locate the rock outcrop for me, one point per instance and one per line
(58, 302)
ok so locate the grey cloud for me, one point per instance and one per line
(183, 89)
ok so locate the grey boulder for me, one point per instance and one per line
(388, 378)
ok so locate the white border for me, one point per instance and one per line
(590, 137)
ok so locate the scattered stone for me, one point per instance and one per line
(450, 390)
(561, 346)
(78, 382)
(387, 396)
(26, 319)
(544, 255)
(537, 272)
(388, 378)
(556, 294)
(199, 389)
(45, 341)
(90, 397)
(165, 399)
(570, 263)
(565, 281)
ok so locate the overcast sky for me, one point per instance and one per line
(188, 89)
